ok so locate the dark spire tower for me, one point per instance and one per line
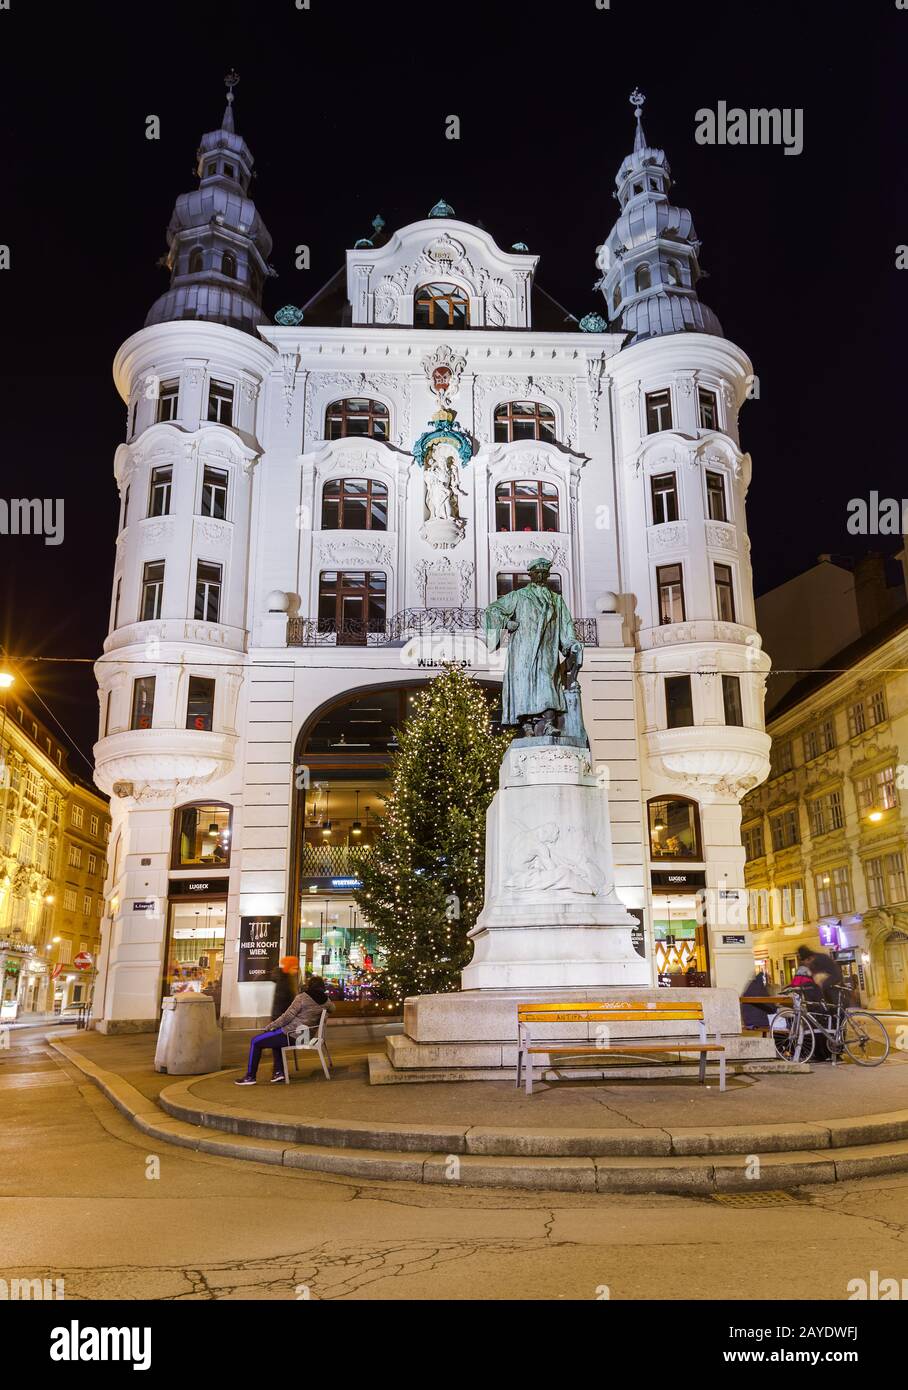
(218, 245)
(649, 261)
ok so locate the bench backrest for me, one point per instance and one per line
(609, 1011)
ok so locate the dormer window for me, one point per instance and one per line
(229, 171)
(673, 271)
(228, 264)
(356, 416)
(524, 420)
(638, 188)
(642, 278)
(195, 260)
(616, 297)
(441, 306)
(212, 169)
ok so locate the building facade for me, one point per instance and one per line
(314, 513)
(50, 910)
(826, 836)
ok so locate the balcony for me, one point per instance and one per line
(396, 631)
(158, 759)
(722, 757)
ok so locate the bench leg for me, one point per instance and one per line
(702, 1068)
(528, 1066)
(519, 1066)
(721, 1071)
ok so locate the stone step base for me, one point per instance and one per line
(384, 1072)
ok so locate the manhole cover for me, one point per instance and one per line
(752, 1199)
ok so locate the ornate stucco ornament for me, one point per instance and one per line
(289, 316)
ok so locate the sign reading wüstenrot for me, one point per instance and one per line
(259, 948)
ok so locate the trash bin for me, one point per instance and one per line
(189, 1041)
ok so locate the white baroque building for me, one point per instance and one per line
(295, 510)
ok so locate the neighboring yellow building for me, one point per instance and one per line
(826, 836)
(53, 837)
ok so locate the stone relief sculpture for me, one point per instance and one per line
(539, 864)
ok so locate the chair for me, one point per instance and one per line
(305, 1042)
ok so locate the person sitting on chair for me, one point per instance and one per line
(283, 1031)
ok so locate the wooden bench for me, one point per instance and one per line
(603, 1014)
(770, 1004)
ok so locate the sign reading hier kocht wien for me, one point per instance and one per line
(259, 948)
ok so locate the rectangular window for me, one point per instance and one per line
(92, 863)
(220, 403)
(214, 493)
(664, 491)
(752, 839)
(658, 411)
(670, 583)
(826, 813)
(93, 825)
(352, 604)
(168, 400)
(895, 878)
(784, 828)
(208, 592)
(200, 706)
(159, 492)
(781, 759)
(731, 699)
(69, 900)
(507, 582)
(75, 857)
(76, 816)
(142, 702)
(64, 950)
(709, 409)
(819, 740)
(873, 877)
(841, 889)
(793, 903)
(725, 594)
(679, 706)
(86, 905)
(877, 792)
(715, 497)
(866, 713)
(152, 590)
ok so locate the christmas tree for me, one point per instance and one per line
(423, 887)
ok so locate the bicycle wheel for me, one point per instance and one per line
(793, 1043)
(865, 1039)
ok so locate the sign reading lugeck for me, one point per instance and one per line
(259, 948)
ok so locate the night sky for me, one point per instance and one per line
(344, 107)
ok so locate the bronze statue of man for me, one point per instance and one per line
(542, 638)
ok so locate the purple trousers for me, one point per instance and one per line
(275, 1040)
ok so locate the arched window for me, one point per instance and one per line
(524, 420)
(195, 260)
(441, 306)
(355, 504)
(526, 507)
(356, 416)
(642, 278)
(674, 273)
(616, 297)
(228, 264)
(674, 828)
(201, 835)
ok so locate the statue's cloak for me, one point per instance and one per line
(543, 634)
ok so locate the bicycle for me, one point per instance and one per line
(858, 1034)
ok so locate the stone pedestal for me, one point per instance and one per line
(551, 916)
(189, 1041)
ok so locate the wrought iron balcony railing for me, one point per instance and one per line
(409, 622)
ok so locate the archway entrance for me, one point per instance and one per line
(343, 758)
